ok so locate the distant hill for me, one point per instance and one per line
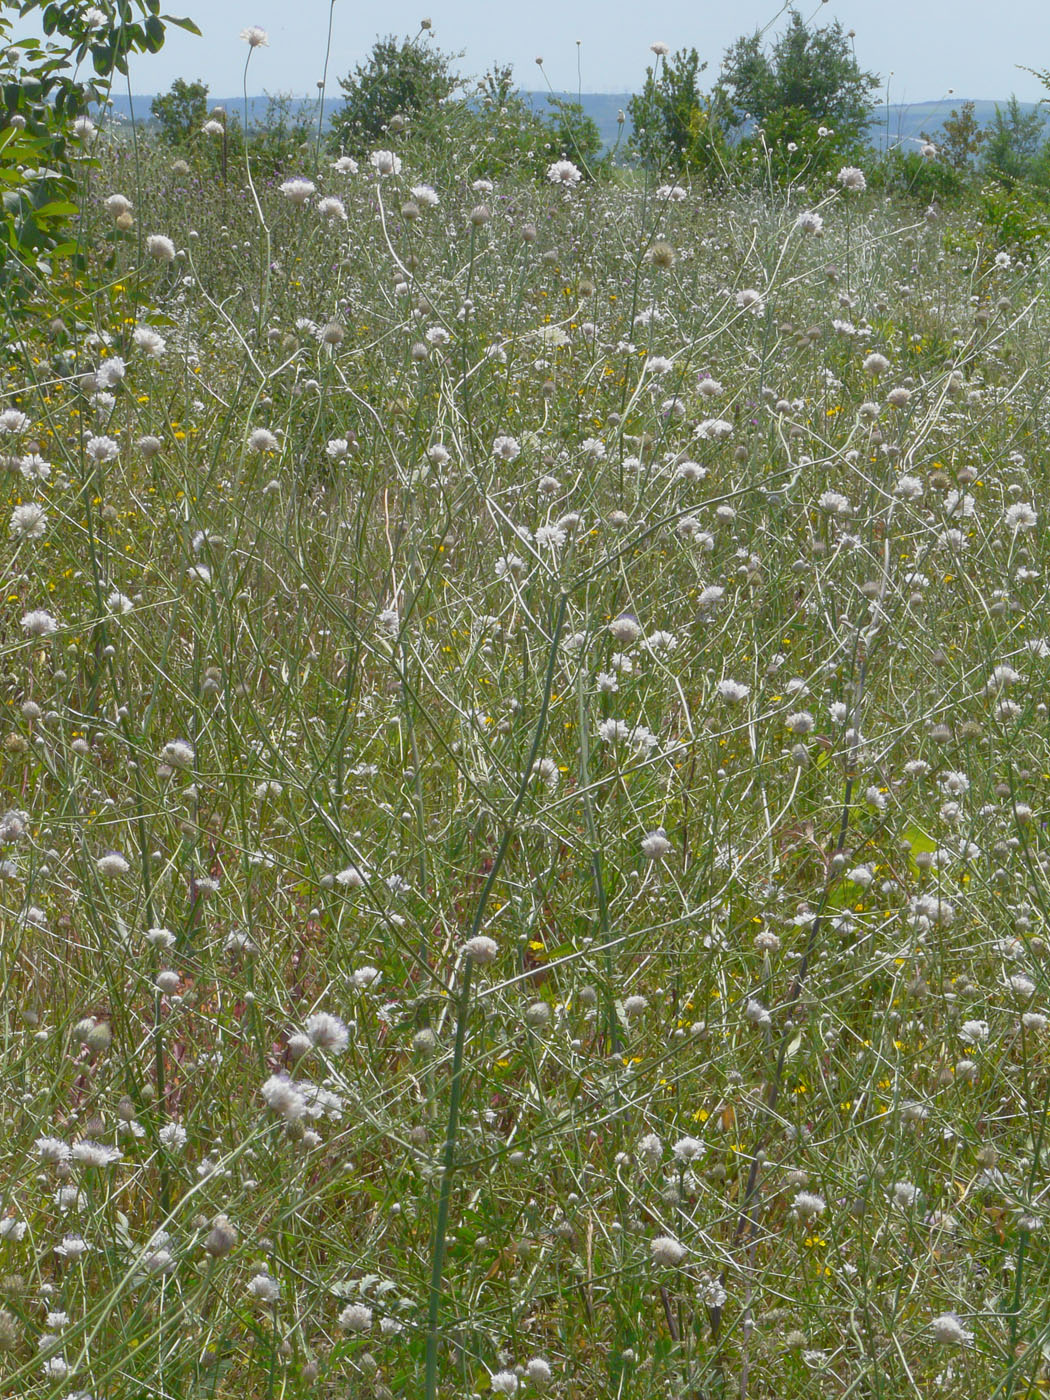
(899, 123)
(602, 107)
(905, 122)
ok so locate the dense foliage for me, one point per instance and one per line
(48, 134)
(807, 77)
(523, 772)
(676, 127)
(402, 79)
(181, 112)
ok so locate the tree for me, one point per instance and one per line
(574, 134)
(47, 86)
(181, 111)
(278, 140)
(402, 78)
(961, 137)
(675, 126)
(494, 129)
(1013, 142)
(809, 78)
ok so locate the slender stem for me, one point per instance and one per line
(437, 1268)
(264, 287)
(324, 84)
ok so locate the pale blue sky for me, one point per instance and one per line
(922, 49)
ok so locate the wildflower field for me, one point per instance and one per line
(525, 766)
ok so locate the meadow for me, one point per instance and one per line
(524, 764)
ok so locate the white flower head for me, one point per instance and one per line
(385, 162)
(298, 190)
(850, 178)
(1020, 517)
(28, 522)
(808, 1205)
(505, 448)
(356, 1317)
(112, 863)
(327, 1032)
(564, 173)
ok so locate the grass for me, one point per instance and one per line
(527, 802)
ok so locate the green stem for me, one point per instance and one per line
(437, 1268)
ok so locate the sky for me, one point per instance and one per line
(923, 51)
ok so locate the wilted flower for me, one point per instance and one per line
(159, 246)
(262, 440)
(481, 949)
(177, 753)
(221, 1238)
(665, 1249)
(264, 1288)
(949, 1329)
(750, 300)
(656, 845)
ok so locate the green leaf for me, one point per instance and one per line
(186, 24)
(58, 209)
(919, 842)
(918, 839)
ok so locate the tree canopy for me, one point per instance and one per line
(400, 78)
(813, 72)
